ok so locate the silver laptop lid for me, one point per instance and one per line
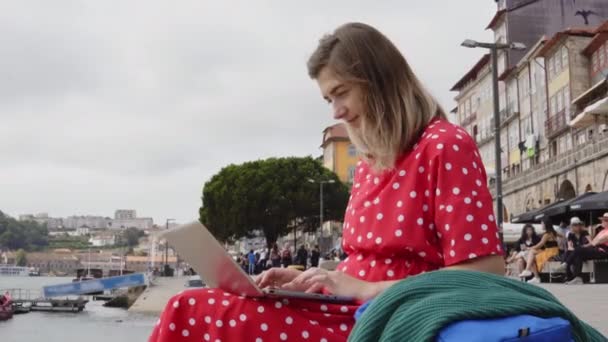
(210, 260)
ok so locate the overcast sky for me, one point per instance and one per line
(135, 104)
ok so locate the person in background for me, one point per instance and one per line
(286, 257)
(251, 262)
(578, 237)
(596, 249)
(540, 253)
(302, 256)
(275, 256)
(528, 239)
(315, 254)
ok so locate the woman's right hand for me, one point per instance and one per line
(276, 277)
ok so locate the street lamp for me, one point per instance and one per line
(494, 47)
(331, 181)
(167, 247)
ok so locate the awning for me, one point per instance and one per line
(540, 214)
(596, 112)
(527, 217)
(597, 202)
(563, 207)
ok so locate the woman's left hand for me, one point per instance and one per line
(338, 283)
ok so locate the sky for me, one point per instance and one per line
(109, 105)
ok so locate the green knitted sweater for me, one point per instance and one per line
(416, 309)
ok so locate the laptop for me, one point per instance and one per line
(195, 243)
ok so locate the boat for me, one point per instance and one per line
(59, 305)
(13, 270)
(34, 272)
(22, 307)
(6, 307)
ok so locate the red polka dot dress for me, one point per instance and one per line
(432, 210)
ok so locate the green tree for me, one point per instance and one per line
(131, 236)
(21, 258)
(272, 195)
(28, 235)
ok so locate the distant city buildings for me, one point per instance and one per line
(123, 219)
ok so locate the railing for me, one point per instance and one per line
(556, 124)
(472, 117)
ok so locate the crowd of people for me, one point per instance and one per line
(255, 262)
(571, 245)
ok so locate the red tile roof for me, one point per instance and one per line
(600, 37)
(471, 74)
(333, 133)
(495, 19)
(581, 32)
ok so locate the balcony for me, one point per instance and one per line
(509, 114)
(556, 124)
(468, 120)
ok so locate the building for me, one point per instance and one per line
(90, 221)
(554, 143)
(103, 240)
(105, 261)
(59, 263)
(43, 219)
(124, 214)
(146, 263)
(339, 154)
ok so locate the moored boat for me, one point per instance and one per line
(6, 307)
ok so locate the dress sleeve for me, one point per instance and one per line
(463, 208)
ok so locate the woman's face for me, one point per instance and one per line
(345, 98)
(529, 231)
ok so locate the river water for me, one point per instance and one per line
(95, 324)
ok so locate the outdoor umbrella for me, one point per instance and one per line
(596, 202)
(560, 210)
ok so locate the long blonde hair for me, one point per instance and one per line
(397, 107)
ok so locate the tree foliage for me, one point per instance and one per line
(272, 195)
(27, 235)
(21, 258)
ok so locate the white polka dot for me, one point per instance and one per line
(478, 182)
(402, 173)
(264, 326)
(456, 148)
(417, 155)
(448, 166)
(289, 320)
(176, 304)
(362, 219)
(431, 226)
(472, 256)
(376, 200)
(465, 171)
(172, 326)
(259, 340)
(185, 333)
(452, 253)
(362, 273)
(453, 242)
(479, 204)
(305, 334)
(484, 227)
(435, 136)
(242, 317)
(421, 169)
(191, 321)
(467, 200)
(470, 218)
(219, 323)
(373, 263)
(344, 309)
(422, 254)
(427, 193)
(459, 136)
(191, 301)
(211, 301)
(468, 237)
(207, 337)
(413, 194)
(370, 235)
(367, 204)
(379, 216)
(449, 208)
(225, 303)
(359, 238)
(474, 193)
(378, 240)
(440, 146)
(439, 235)
(437, 192)
(207, 319)
(343, 327)
(390, 273)
(260, 309)
(359, 257)
(456, 191)
(399, 204)
(447, 227)
(400, 218)
(420, 221)
(425, 207)
(474, 165)
(323, 340)
(352, 230)
(388, 261)
(158, 322)
(491, 218)
(376, 180)
(498, 248)
(283, 336)
(278, 305)
(323, 307)
(485, 241)
(395, 185)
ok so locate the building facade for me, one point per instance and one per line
(339, 154)
(554, 141)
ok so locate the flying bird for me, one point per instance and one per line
(585, 14)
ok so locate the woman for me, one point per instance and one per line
(528, 239)
(275, 257)
(419, 203)
(540, 253)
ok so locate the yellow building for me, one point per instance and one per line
(339, 154)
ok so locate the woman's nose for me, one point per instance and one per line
(339, 111)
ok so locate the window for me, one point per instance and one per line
(352, 150)
(551, 68)
(560, 103)
(594, 65)
(601, 59)
(564, 57)
(557, 59)
(566, 94)
(553, 105)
